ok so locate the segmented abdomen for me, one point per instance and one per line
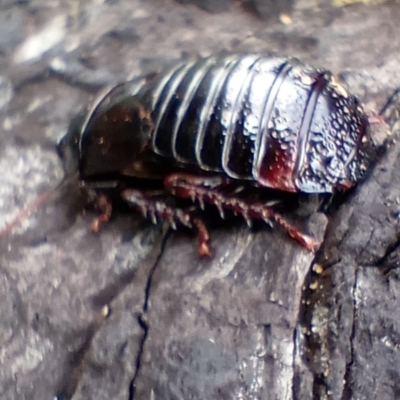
(271, 120)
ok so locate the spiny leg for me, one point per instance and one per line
(154, 208)
(103, 204)
(206, 190)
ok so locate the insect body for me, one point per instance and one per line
(204, 127)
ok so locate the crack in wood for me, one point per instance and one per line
(142, 319)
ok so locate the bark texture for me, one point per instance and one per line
(132, 312)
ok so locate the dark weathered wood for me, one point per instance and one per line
(132, 312)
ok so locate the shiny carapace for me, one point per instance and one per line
(204, 127)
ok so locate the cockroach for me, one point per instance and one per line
(202, 129)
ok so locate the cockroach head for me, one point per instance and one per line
(109, 138)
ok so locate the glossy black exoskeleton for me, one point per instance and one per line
(203, 127)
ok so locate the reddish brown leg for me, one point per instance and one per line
(103, 204)
(206, 190)
(375, 119)
(157, 208)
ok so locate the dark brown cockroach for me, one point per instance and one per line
(203, 128)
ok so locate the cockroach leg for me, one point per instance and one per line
(375, 119)
(103, 204)
(157, 207)
(204, 237)
(185, 186)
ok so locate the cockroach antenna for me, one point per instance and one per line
(45, 197)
